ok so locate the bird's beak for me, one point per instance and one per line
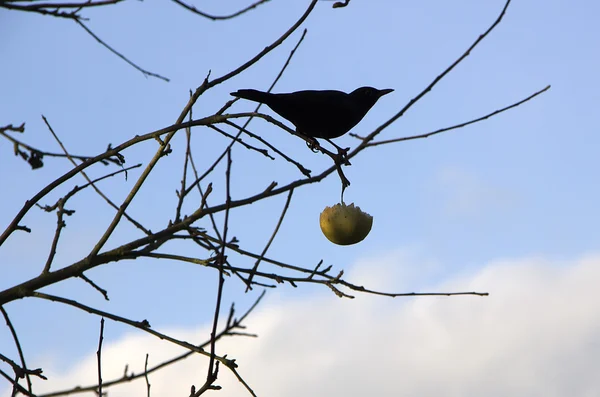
(386, 91)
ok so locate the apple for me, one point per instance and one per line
(345, 224)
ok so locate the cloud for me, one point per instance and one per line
(537, 334)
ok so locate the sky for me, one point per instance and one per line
(506, 206)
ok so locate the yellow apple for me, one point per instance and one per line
(345, 224)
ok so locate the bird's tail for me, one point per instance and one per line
(252, 95)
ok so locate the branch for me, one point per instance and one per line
(143, 325)
(311, 278)
(18, 345)
(11, 127)
(60, 208)
(117, 53)
(264, 251)
(91, 183)
(209, 84)
(99, 356)
(16, 386)
(487, 116)
(372, 135)
(302, 169)
(219, 17)
(258, 106)
(128, 378)
(205, 86)
(213, 369)
(54, 9)
(35, 156)
(146, 376)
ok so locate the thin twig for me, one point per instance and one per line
(464, 124)
(128, 378)
(91, 183)
(60, 224)
(209, 84)
(188, 154)
(95, 286)
(373, 134)
(219, 17)
(18, 345)
(77, 189)
(204, 203)
(19, 371)
(264, 152)
(275, 231)
(302, 169)
(170, 130)
(325, 278)
(117, 53)
(11, 127)
(54, 9)
(146, 377)
(99, 355)
(38, 155)
(211, 377)
(205, 85)
(16, 386)
(143, 325)
(247, 122)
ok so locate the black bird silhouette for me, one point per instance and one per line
(319, 114)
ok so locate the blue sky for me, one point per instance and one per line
(517, 192)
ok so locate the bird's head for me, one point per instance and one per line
(369, 95)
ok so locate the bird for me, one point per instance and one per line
(323, 114)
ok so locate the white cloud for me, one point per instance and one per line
(537, 334)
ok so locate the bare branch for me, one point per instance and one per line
(228, 330)
(219, 17)
(18, 346)
(91, 183)
(252, 266)
(143, 325)
(487, 116)
(55, 9)
(60, 224)
(213, 369)
(16, 386)
(275, 231)
(99, 355)
(302, 169)
(95, 286)
(205, 85)
(258, 106)
(372, 135)
(209, 84)
(264, 152)
(146, 376)
(10, 127)
(35, 156)
(117, 53)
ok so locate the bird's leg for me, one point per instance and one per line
(339, 159)
(313, 144)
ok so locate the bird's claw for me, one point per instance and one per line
(342, 154)
(313, 145)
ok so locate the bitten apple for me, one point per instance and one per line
(345, 224)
